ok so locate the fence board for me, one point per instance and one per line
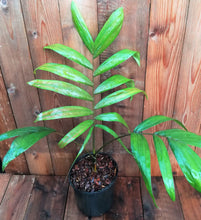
(188, 98)
(166, 33)
(17, 69)
(42, 20)
(133, 35)
(88, 10)
(7, 122)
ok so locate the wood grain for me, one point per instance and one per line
(7, 122)
(43, 27)
(190, 199)
(4, 180)
(48, 198)
(167, 208)
(188, 97)
(166, 35)
(16, 66)
(127, 200)
(88, 10)
(16, 198)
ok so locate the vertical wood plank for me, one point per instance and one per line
(42, 21)
(127, 200)
(188, 97)
(16, 66)
(167, 208)
(72, 211)
(4, 180)
(48, 198)
(7, 122)
(190, 199)
(88, 10)
(16, 198)
(134, 36)
(166, 34)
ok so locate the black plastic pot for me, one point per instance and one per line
(95, 203)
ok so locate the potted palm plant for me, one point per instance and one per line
(93, 175)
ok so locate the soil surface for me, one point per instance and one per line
(86, 177)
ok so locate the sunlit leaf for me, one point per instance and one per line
(111, 116)
(23, 143)
(70, 54)
(75, 133)
(182, 136)
(61, 87)
(23, 131)
(114, 134)
(165, 166)
(109, 32)
(111, 83)
(86, 140)
(118, 96)
(65, 72)
(64, 112)
(114, 60)
(155, 120)
(81, 27)
(141, 154)
(189, 162)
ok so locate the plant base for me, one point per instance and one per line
(95, 203)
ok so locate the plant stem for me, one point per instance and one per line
(93, 105)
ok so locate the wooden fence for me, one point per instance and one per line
(167, 33)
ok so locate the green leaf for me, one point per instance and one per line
(61, 87)
(111, 83)
(114, 60)
(189, 162)
(64, 112)
(165, 166)
(75, 132)
(81, 27)
(70, 54)
(66, 72)
(182, 136)
(155, 120)
(136, 56)
(85, 142)
(118, 96)
(141, 154)
(23, 131)
(111, 116)
(109, 32)
(114, 134)
(23, 143)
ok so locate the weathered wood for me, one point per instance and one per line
(17, 69)
(16, 198)
(72, 211)
(88, 10)
(127, 200)
(167, 208)
(166, 34)
(4, 180)
(42, 20)
(134, 36)
(188, 97)
(48, 198)
(7, 122)
(190, 199)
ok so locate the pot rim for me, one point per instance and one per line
(103, 189)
